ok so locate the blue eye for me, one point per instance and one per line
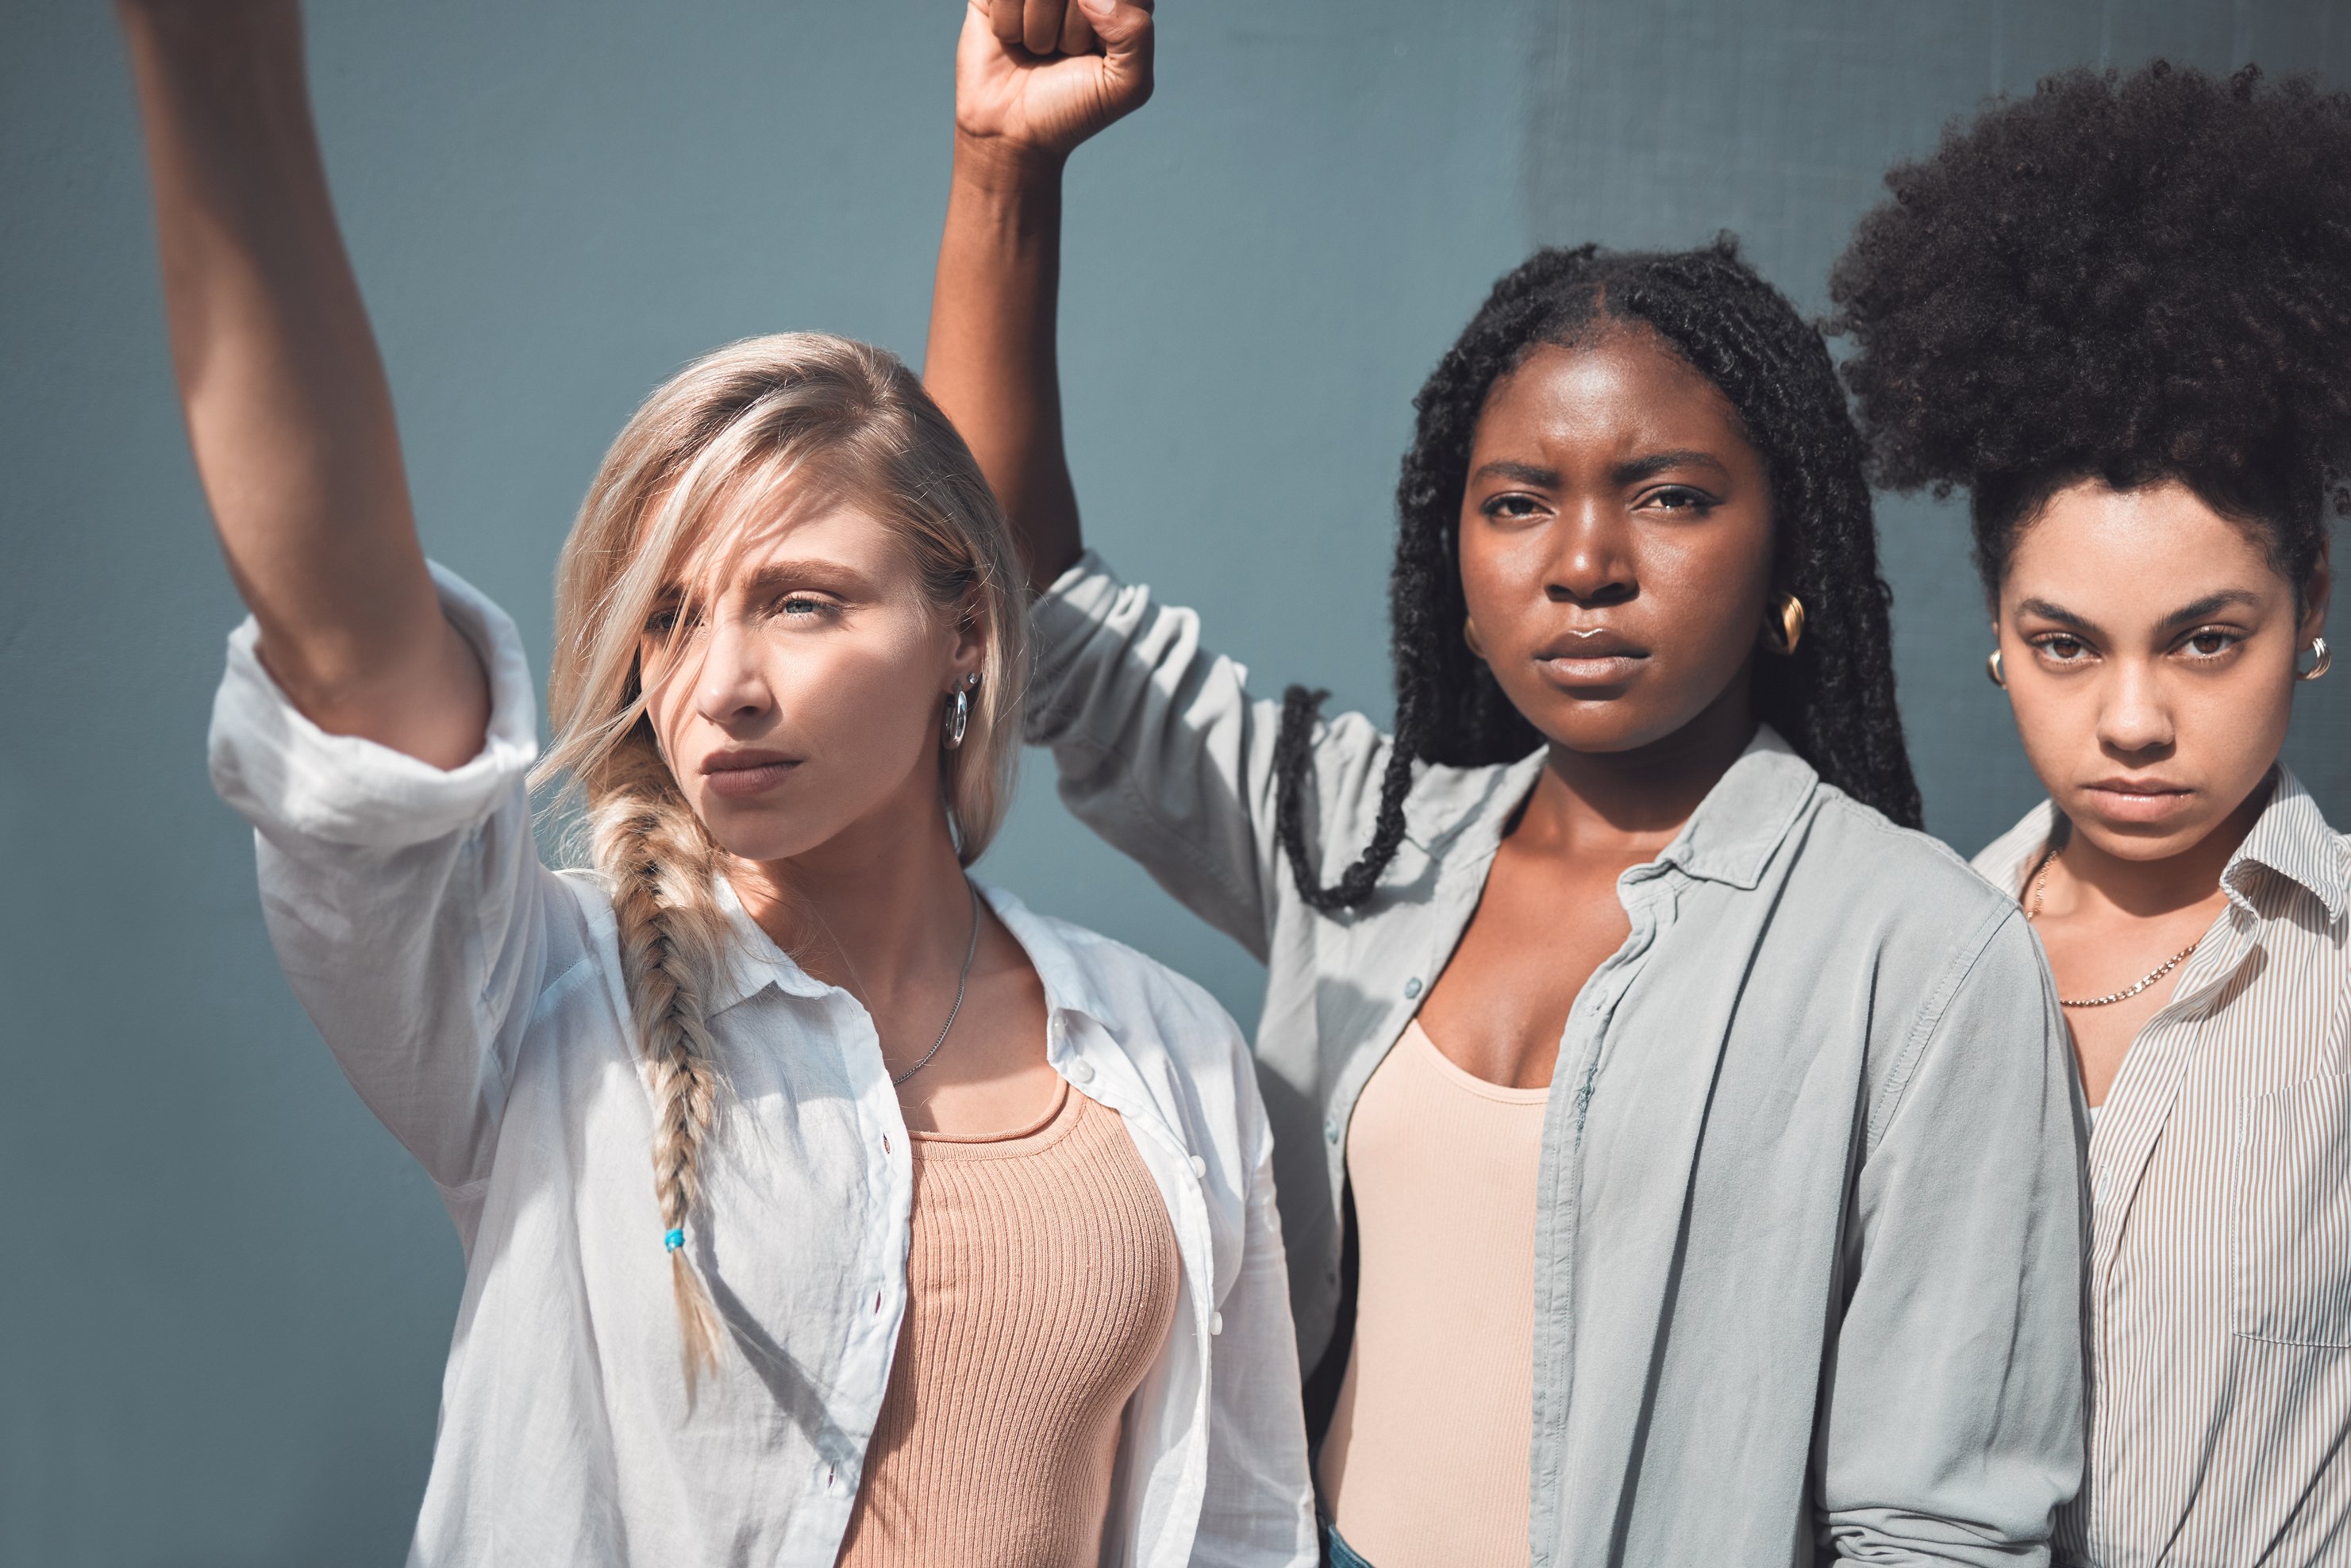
(804, 607)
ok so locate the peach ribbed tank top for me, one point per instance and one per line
(1425, 1462)
(1040, 1284)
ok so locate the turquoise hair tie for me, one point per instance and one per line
(673, 1240)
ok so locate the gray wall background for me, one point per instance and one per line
(225, 1294)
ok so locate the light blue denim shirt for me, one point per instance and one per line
(1810, 1228)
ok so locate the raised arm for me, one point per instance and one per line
(287, 403)
(1033, 80)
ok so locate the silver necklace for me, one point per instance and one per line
(2040, 885)
(962, 980)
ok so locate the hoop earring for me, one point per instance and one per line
(959, 712)
(1995, 670)
(1469, 635)
(1782, 638)
(2324, 656)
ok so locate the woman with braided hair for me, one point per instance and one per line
(2118, 312)
(1678, 1157)
(957, 1239)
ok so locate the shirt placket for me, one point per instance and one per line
(2159, 1059)
(1647, 892)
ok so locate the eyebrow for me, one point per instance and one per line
(2057, 612)
(1524, 473)
(1656, 463)
(2212, 604)
(1630, 471)
(829, 575)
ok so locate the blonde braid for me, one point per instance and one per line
(662, 869)
(726, 439)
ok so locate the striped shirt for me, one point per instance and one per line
(2219, 1285)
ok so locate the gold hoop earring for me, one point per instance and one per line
(1782, 638)
(2324, 657)
(1469, 635)
(1994, 669)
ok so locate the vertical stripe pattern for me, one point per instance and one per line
(2220, 1249)
(1041, 1278)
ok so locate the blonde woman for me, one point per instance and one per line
(816, 1206)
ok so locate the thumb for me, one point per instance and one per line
(1122, 26)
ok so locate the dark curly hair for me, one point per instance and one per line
(2131, 279)
(1833, 700)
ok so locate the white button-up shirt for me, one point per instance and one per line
(475, 1000)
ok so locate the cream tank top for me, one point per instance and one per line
(1041, 1278)
(1425, 1461)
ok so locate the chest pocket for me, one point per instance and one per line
(2290, 1215)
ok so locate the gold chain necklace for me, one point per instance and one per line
(2040, 886)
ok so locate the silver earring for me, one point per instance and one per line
(1993, 668)
(2324, 657)
(959, 713)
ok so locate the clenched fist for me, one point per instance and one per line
(1037, 77)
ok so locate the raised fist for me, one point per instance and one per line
(1041, 76)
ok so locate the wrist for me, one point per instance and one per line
(1000, 166)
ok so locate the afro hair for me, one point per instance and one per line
(2129, 277)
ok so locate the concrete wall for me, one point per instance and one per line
(225, 1292)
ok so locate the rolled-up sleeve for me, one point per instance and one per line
(1954, 1426)
(406, 903)
(1162, 750)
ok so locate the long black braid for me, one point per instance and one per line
(1833, 700)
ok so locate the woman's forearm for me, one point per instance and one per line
(992, 358)
(287, 403)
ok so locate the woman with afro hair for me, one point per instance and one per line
(1677, 1152)
(2118, 313)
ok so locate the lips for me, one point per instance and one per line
(738, 774)
(1596, 655)
(2124, 799)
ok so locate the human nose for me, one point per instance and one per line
(731, 687)
(2136, 718)
(1591, 565)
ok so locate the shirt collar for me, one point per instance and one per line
(754, 962)
(1745, 817)
(2291, 838)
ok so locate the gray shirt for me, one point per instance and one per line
(1811, 1219)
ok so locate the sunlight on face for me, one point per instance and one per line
(796, 680)
(2150, 645)
(1615, 542)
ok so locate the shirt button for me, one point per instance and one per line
(1412, 988)
(1331, 1129)
(1199, 1166)
(1081, 1072)
(1216, 1322)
